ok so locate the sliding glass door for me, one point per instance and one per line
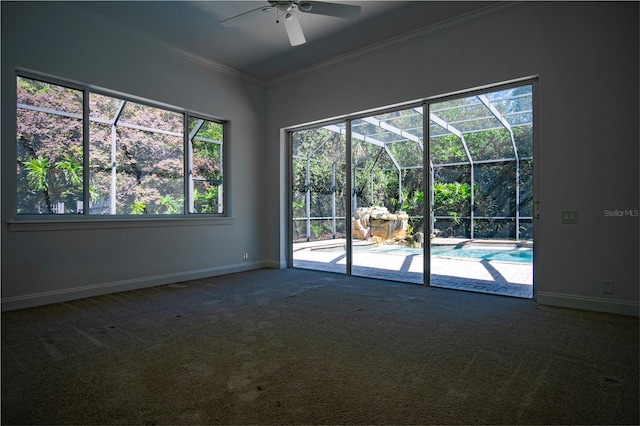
(363, 201)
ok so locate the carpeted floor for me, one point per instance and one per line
(306, 347)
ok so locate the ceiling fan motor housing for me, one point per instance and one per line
(283, 5)
(288, 5)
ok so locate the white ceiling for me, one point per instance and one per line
(260, 48)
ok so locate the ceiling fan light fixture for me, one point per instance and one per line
(305, 6)
(285, 6)
(288, 16)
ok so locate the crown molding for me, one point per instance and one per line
(356, 55)
(220, 68)
(411, 37)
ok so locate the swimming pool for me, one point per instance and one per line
(501, 253)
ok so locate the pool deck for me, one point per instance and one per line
(485, 276)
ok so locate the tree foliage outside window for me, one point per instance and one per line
(206, 167)
(480, 182)
(49, 148)
(313, 197)
(149, 169)
(136, 155)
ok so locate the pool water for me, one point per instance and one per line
(509, 254)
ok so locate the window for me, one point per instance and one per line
(140, 159)
(49, 148)
(205, 164)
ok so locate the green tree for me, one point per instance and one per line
(37, 177)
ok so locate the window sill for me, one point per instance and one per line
(113, 223)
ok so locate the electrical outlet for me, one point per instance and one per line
(607, 287)
(245, 256)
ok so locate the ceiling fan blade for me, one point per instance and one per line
(246, 16)
(330, 9)
(294, 30)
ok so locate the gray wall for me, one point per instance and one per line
(586, 58)
(42, 264)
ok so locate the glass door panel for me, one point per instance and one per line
(318, 198)
(481, 195)
(388, 196)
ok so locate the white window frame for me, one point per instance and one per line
(85, 220)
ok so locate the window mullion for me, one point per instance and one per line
(86, 128)
(188, 161)
(350, 197)
(221, 208)
(113, 188)
(189, 136)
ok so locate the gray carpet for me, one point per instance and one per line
(307, 347)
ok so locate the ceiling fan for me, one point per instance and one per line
(287, 10)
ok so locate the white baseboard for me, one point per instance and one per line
(64, 295)
(588, 303)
